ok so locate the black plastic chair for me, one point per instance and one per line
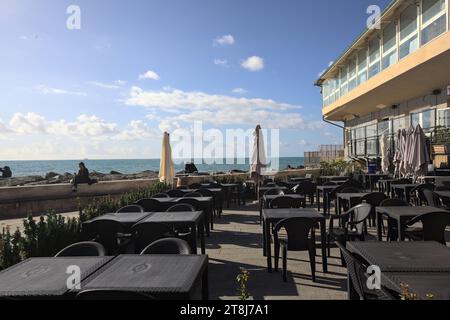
(192, 201)
(176, 193)
(195, 186)
(149, 205)
(181, 207)
(146, 233)
(351, 226)
(239, 194)
(431, 199)
(282, 202)
(160, 195)
(131, 208)
(350, 186)
(193, 195)
(398, 192)
(417, 196)
(283, 184)
(168, 246)
(109, 233)
(300, 237)
(356, 268)
(306, 188)
(433, 227)
(216, 201)
(83, 249)
(105, 294)
(374, 199)
(274, 192)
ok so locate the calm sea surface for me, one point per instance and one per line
(27, 168)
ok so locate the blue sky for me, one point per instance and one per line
(69, 94)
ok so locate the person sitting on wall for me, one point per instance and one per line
(82, 177)
(6, 172)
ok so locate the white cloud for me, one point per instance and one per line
(253, 63)
(217, 110)
(115, 85)
(49, 90)
(137, 130)
(149, 75)
(225, 40)
(239, 91)
(220, 62)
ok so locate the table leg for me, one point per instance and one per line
(379, 226)
(211, 215)
(318, 199)
(264, 237)
(323, 240)
(401, 229)
(268, 246)
(194, 239)
(201, 233)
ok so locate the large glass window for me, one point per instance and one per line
(374, 57)
(425, 118)
(343, 80)
(384, 127)
(362, 66)
(434, 19)
(389, 45)
(352, 74)
(399, 123)
(444, 117)
(409, 39)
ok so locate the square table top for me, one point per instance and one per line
(293, 196)
(126, 218)
(323, 188)
(420, 283)
(407, 211)
(174, 217)
(414, 256)
(280, 214)
(149, 273)
(351, 195)
(201, 199)
(45, 276)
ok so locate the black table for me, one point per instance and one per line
(193, 220)
(405, 190)
(45, 277)
(263, 190)
(160, 276)
(272, 216)
(217, 195)
(402, 215)
(127, 219)
(205, 204)
(333, 178)
(352, 199)
(421, 265)
(228, 187)
(385, 185)
(420, 283)
(325, 190)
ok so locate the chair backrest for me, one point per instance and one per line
(274, 191)
(271, 185)
(104, 231)
(393, 203)
(193, 202)
(168, 246)
(146, 233)
(374, 198)
(131, 208)
(193, 195)
(346, 185)
(182, 207)
(106, 294)
(434, 225)
(283, 184)
(195, 186)
(160, 195)
(305, 188)
(418, 191)
(83, 249)
(205, 192)
(149, 205)
(176, 193)
(215, 185)
(329, 183)
(431, 199)
(401, 181)
(300, 233)
(282, 202)
(358, 215)
(354, 270)
(267, 181)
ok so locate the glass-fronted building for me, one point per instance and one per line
(392, 77)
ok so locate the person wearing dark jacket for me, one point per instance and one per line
(6, 172)
(82, 176)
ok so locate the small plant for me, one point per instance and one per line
(406, 293)
(242, 280)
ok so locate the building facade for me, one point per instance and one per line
(326, 153)
(392, 77)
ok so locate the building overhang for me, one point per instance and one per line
(416, 75)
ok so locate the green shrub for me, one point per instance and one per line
(9, 248)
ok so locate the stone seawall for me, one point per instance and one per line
(18, 202)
